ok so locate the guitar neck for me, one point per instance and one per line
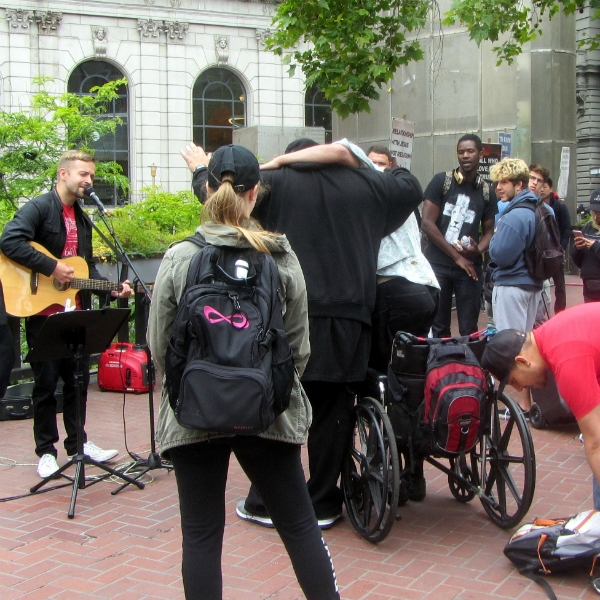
(95, 284)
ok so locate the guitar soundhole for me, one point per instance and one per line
(61, 287)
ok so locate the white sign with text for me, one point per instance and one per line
(401, 142)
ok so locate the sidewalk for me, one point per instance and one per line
(128, 547)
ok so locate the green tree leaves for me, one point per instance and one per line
(32, 141)
(356, 46)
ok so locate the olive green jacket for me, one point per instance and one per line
(292, 425)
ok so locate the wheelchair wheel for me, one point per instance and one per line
(508, 469)
(371, 472)
(461, 492)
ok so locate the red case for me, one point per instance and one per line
(123, 368)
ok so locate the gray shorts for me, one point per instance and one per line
(514, 308)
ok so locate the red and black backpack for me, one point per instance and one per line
(455, 391)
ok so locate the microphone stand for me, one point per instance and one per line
(154, 460)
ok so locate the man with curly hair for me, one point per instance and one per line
(516, 293)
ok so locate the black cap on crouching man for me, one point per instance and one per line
(595, 200)
(501, 351)
(237, 160)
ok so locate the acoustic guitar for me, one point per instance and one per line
(27, 293)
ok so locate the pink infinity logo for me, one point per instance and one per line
(237, 320)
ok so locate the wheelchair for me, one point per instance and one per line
(499, 470)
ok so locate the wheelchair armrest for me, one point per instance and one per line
(375, 377)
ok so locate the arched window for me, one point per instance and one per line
(112, 146)
(317, 112)
(219, 107)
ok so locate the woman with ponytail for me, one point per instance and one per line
(271, 460)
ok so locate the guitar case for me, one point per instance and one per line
(17, 404)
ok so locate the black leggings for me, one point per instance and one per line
(276, 471)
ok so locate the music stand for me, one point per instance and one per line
(75, 334)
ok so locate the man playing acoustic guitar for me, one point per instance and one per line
(56, 221)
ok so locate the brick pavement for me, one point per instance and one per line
(128, 546)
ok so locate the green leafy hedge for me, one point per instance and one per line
(147, 228)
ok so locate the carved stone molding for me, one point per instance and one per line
(175, 31)
(19, 18)
(222, 49)
(262, 35)
(149, 29)
(175, 3)
(149, 2)
(100, 39)
(48, 21)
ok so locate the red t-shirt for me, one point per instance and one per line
(71, 248)
(570, 345)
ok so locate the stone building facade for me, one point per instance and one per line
(588, 108)
(196, 69)
(458, 88)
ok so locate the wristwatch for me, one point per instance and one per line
(200, 168)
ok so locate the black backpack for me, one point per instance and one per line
(229, 366)
(455, 392)
(544, 258)
(549, 546)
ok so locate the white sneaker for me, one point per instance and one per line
(47, 466)
(96, 453)
(581, 437)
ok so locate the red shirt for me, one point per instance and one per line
(71, 248)
(570, 344)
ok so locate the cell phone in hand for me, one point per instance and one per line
(577, 233)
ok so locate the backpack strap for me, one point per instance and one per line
(447, 183)
(196, 239)
(196, 261)
(486, 191)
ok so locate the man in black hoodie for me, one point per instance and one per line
(335, 216)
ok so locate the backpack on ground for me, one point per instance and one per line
(455, 392)
(544, 258)
(229, 366)
(549, 546)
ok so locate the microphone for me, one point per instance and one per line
(89, 191)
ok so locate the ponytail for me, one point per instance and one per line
(225, 207)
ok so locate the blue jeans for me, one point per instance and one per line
(596, 495)
(467, 291)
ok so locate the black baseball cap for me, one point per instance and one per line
(500, 353)
(300, 144)
(237, 160)
(595, 200)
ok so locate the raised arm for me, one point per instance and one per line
(325, 153)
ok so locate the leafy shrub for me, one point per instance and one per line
(148, 227)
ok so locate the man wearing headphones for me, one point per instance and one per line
(455, 204)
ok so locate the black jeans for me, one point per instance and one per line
(467, 292)
(401, 305)
(45, 376)
(275, 469)
(560, 292)
(328, 442)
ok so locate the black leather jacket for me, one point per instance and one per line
(41, 220)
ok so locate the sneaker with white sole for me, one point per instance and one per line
(328, 522)
(47, 466)
(244, 514)
(96, 453)
(263, 518)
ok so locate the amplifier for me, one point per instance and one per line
(124, 368)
